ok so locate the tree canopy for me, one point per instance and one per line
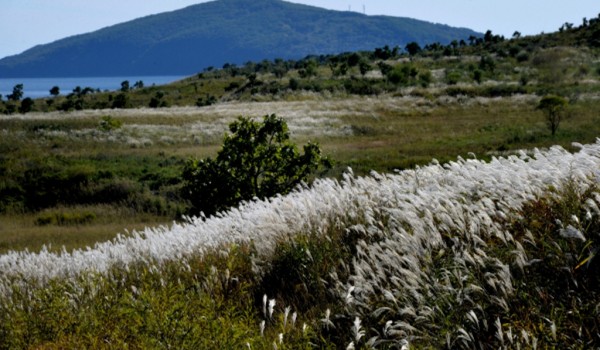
(257, 160)
(554, 107)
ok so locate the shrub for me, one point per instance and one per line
(256, 160)
(108, 123)
(73, 218)
(453, 77)
(121, 101)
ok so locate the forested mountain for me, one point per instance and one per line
(218, 32)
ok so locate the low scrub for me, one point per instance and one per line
(65, 218)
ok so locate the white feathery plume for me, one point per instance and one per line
(271, 307)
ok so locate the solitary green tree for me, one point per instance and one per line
(554, 107)
(55, 91)
(17, 93)
(256, 160)
(125, 86)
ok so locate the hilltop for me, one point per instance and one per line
(186, 41)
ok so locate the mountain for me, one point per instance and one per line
(186, 41)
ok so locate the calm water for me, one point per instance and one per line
(40, 87)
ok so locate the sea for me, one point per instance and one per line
(40, 87)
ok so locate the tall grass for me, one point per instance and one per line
(443, 256)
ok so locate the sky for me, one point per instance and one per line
(26, 23)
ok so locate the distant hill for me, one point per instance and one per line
(224, 31)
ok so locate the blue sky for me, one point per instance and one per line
(26, 23)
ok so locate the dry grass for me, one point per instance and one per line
(20, 232)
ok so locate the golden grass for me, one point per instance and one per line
(21, 231)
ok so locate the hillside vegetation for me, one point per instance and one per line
(212, 33)
(464, 221)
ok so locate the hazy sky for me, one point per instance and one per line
(26, 23)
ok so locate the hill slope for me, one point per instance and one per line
(211, 34)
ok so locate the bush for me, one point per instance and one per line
(108, 123)
(121, 101)
(256, 160)
(360, 87)
(65, 218)
(453, 77)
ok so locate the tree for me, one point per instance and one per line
(17, 93)
(554, 107)
(256, 160)
(364, 67)
(353, 59)
(125, 86)
(413, 48)
(55, 91)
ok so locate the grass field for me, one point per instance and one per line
(379, 133)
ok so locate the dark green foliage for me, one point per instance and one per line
(413, 48)
(55, 91)
(401, 74)
(487, 63)
(360, 87)
(47, 183)
(26, 105)
(385, 53)
(125, 86)
(453, 77)
(206, 101)
(425, 78)
(477, 76)
(157, 101)
(309, 69)
(17, 93)
(364, 67)
(256, 160)
(121, 101)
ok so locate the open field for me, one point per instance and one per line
(379, 133)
